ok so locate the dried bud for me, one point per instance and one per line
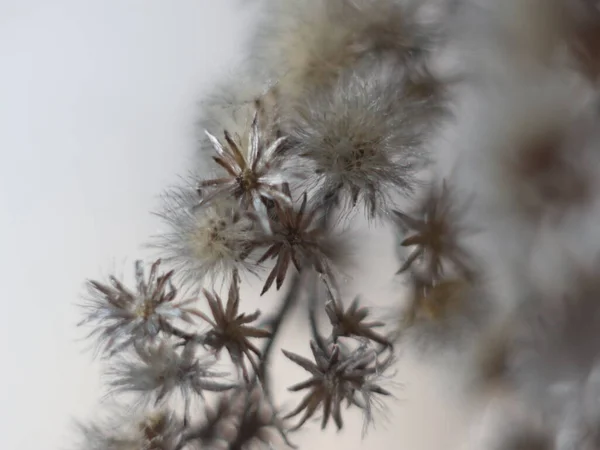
(156, 372)
(231, 330)
(207, 242)
(299, 237)
(433, 233)
(351, 322)
(337, 376)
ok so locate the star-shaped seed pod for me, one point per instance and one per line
(336, 376)
(433, 231)
(299, 237)
(231, 330)
(351, 322)
(253, 175)
(124, 316)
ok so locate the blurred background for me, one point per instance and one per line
(98, 100)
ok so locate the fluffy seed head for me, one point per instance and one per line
(361, 141)
(156, 372)
(206, 242)
(123, 316)
(232, 106)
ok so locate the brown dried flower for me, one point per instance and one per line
(231, 330)
(252, 176)
(336, 376)
(160, 430)
(351, 322)
(298, 237)
(433, 232)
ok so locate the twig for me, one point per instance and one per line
(168, 328)
(288, 303)
(312, 317)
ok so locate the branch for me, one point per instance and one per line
(288, 303)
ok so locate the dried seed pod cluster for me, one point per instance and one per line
(487, 171)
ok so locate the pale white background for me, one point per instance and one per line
(97, 104)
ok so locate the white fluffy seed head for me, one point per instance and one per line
(361, 140)
(207, 242)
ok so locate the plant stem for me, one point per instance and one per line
(287, 304)
(313, 302)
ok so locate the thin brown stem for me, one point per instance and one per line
(287, 305)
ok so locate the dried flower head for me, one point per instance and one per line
(307, 45)
(158, 371)
(159, 430)
(231, 330)
(434, 232)
(123, 316)
(361, 141)
(206, 242)
(300, 237)
(253, 175)
(336, 376)
(351, 321)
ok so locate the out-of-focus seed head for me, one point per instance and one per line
(525, 438)
(433, 233)
(443, 313)
(204, 243)
(123, 316)
(307, 45)
(493, 361)
(300, 236)
(232, 106)
(582, 23)
(160, 430)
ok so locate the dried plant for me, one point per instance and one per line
(232, 330)
(252, 172)
(299, 238)
(434, 233)
(347, 106)
(335, 377)
(123, 317)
